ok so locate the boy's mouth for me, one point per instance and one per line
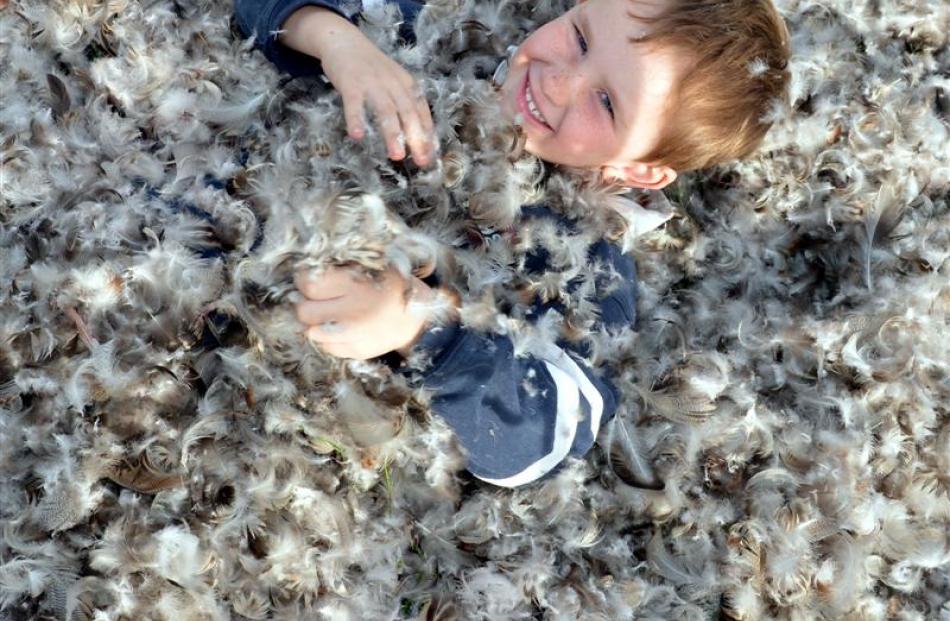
(529, 106)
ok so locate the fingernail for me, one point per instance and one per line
(331, 327)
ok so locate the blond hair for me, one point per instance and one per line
(740, 51)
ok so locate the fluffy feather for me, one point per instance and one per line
(789, 354)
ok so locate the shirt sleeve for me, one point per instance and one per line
(263, 20)
(519, 417)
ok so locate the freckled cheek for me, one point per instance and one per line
(582, 135)
(584, 122)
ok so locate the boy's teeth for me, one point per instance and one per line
(532, 107)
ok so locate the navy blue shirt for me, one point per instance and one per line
(518, 417)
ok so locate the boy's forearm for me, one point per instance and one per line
(312, 30)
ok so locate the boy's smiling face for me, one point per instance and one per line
(602, 98)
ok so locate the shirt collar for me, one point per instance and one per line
(643, 210)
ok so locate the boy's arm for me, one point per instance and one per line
(520, 417)
(314, 37)
(266, 19)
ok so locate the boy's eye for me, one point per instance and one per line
(581, 41)
(605, 100)
(604, 97)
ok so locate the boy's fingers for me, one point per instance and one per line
(414, 95)
(353, 114)
(423, 147)
(313, 314)
(326, 335)
(422, 107)
(388, 119)
(393, 135)
(328, 284)
(419, 143)
(340, 350)
(408, 108)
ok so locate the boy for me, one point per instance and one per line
(635, 91)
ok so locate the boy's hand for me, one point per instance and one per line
(351, 316)
(364, 76)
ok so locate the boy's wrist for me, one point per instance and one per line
(406, 349)
(452, 299)
(311, 29)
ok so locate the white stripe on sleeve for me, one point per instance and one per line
(565, 362)
(565, 427)
(570, 381)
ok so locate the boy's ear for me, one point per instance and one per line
(640, 175)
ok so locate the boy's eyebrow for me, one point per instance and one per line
(614, 100)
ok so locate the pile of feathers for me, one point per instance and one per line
(171, 447)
